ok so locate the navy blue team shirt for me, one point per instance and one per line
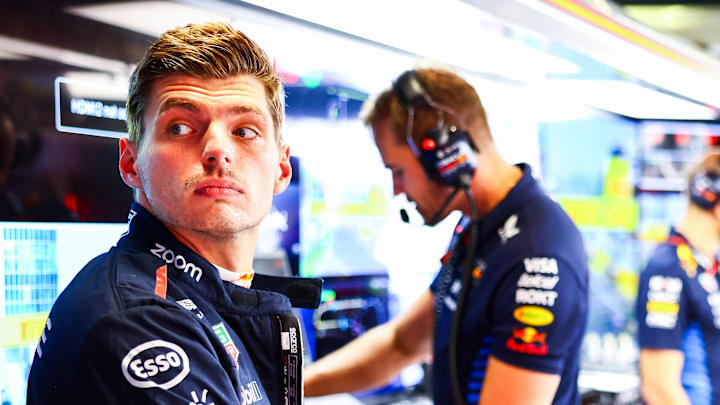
(151, 321)
(529, 299)
(678, 308)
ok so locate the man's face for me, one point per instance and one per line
(408, 175)
(210, 162)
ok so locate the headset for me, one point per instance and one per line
(447, 153)
(704, 189)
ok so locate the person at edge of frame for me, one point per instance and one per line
(175, 313)
(526, 311)
(678, 304)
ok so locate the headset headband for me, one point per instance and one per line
(411, 92)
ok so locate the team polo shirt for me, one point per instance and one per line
(152, 321)
(528, 301)
(678, 308)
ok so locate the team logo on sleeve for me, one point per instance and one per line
(714, 302)
(708, 282)
(190, 306)
(662, 302)
(156, 363)
(532, 315)
(542, 265)
(226, 340)
(529, 341)
(687, 260)
(509, 229)
(536, 284)
(535, 297)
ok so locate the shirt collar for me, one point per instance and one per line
(146, 234)
(676, 238)
(525, 190)
(243, 279)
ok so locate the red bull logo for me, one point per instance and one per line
(528, 340)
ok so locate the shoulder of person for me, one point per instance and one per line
(110, 283)
(671, 260)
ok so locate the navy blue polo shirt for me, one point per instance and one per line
(151, 321)
(529, 299)
(678, 308)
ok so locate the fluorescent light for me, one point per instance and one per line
(147, 17)
(700, 83)
(66, 56)
(296, 47)
(456, 34)
(627, 99)
(453, 32)
(10, 56)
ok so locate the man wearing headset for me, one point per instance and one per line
(522, 294)
(678, 305)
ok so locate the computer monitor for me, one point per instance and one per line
(352, 305)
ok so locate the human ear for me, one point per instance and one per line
(716, 211)
(284, 170)
(128, 164)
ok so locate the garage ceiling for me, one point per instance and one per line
(697, 22)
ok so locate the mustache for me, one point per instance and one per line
(224, 174)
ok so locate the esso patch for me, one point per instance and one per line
(156, 363)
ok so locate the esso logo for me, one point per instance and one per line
(156, 363)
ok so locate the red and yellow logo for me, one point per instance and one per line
(687, 260)
(529, 341)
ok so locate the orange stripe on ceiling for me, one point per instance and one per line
(600, 20)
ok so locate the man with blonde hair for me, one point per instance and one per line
(174, 313)
(678, 305)
(505, 316)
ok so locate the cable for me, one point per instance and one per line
(439, 212)
(467, 274)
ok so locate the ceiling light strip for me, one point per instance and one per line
(601, 21)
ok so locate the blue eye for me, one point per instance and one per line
(179, 129)
(246, 133)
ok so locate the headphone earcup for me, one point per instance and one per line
(705, 189)
(447, 155)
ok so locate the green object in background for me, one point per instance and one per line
(328, 295)
(312, 79)
(21, 330)
(617, 177)
(599, 261)
(626, 282)
(375, 205)
(602, 212)
(309, 262)
(616, 209)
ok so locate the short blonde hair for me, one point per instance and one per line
(445, 88)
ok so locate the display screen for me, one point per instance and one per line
(63, 177)
(38, 261)
(90, 108)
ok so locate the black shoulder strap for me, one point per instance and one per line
(303, 292)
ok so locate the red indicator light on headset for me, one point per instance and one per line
(428, 144)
